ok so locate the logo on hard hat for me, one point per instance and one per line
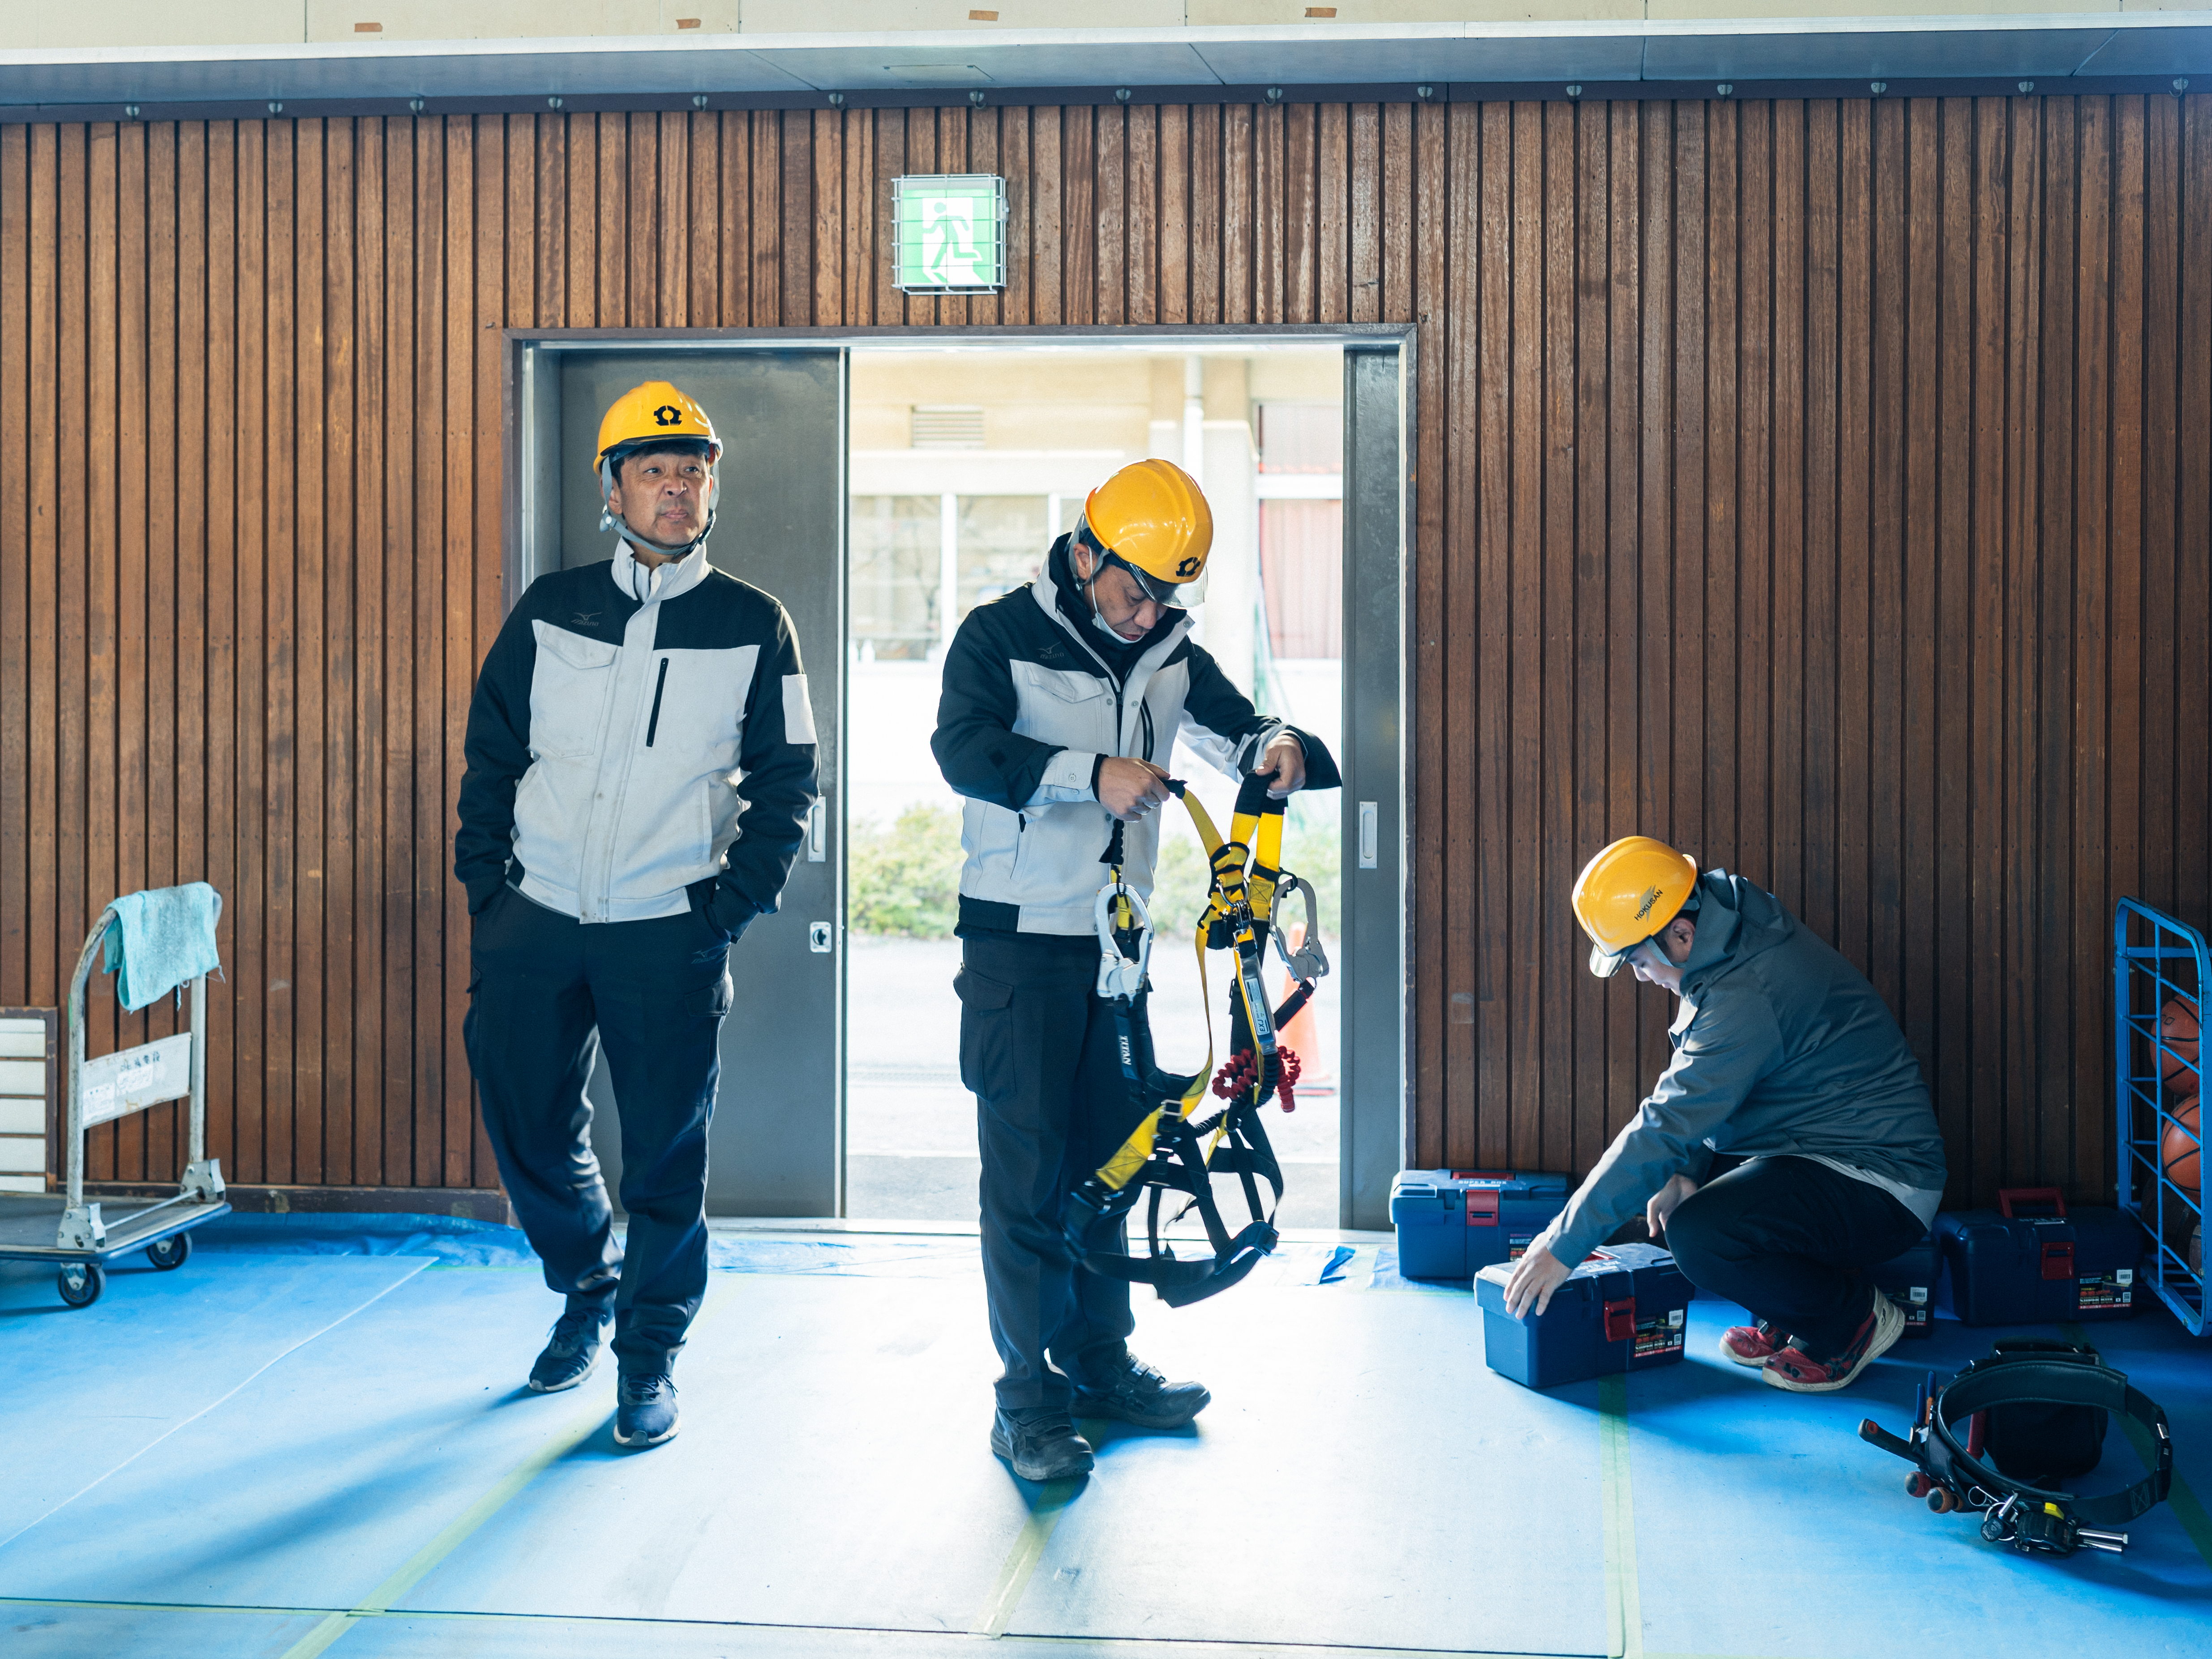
(1188, 567)
(668, 415)
(1650, 898)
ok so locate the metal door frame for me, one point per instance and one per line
(1378, 648)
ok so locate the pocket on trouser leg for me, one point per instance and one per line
(987, 1018)
(711, 1001)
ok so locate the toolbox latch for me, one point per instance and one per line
(2058, 1260)
(1620, 1320)
(1482, 1206)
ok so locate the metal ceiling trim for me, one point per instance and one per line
(2048, 46)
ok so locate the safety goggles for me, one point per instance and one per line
(1606, 963)
(1173, 596)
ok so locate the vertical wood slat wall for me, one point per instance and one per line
(1821, 485)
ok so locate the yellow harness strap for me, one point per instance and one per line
(1235, 898)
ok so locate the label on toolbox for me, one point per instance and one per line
(1516, 1245)
(1913, 1303)
(2114, 1289)
(1658, 1336)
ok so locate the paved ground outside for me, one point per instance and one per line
(910, 1128)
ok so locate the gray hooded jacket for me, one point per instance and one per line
(1780, 1047)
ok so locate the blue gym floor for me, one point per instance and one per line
(270, 1452)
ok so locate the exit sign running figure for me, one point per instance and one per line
(950, 232)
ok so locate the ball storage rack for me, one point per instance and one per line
(73, 1235)
(2156, 957)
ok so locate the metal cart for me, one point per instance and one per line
(73, 1234)
(2155, 957)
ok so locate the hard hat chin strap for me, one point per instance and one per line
(621, 528)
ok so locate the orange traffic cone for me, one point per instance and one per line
(1301, 1033)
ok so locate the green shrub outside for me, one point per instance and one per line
(904, 881)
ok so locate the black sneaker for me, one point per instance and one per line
(1040, 1444)
(1133, 1392)
(570, 1353)
(645, 1409)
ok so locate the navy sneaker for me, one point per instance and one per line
(1040, 1444)
(571, 1351)
(1130, 1391)
(645, 1409)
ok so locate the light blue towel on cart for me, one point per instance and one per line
(162, 938)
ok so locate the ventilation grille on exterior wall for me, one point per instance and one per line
(948, 426)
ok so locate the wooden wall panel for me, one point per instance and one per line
(1823, 484)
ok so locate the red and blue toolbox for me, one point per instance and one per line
(2000, 1267)
(1909, 1281)
(1451, 1222)
(1624, 1309)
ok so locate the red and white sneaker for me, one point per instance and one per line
(1793, 1369)
(1753, 1344)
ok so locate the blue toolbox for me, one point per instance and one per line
(2003, 1268)
(1909, 1281)
(1623, 1309)
(1451, 1222)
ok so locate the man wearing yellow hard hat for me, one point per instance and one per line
(1061, 702)
(640, 763)
(1789, 1144)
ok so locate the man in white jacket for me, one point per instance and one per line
(1060, 701)
(641, 762)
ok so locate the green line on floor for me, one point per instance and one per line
(1052, 1499)
(1624, 1610)
(419, 1566)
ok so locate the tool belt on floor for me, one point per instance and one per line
(1172, 1149)
(2030, 1405)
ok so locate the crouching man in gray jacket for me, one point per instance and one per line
(1789, 1144)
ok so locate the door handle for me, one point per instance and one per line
(1371, 822)
(818, 831)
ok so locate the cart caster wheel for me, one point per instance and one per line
(1917, 1485)
(81, 1282)
(1942, 1501)
(169, 1255)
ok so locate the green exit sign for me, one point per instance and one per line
(950, 232)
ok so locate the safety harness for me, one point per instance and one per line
(1959, 1437)
(1172, 1149)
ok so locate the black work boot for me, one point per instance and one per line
(579, 1338)
(1130, 1391)
(1040, 1444)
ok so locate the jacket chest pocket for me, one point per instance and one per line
(694, 712)
(569, 688)
(1073, 708)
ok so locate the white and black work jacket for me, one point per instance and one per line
(640, 744)
(1034, 697)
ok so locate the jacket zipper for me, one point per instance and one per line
(653, 724)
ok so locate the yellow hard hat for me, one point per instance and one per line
(1150, 518)
(655, 412)
(1629, 893)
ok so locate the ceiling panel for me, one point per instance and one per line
(1819, 54)
(1459, 56)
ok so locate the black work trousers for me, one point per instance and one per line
(1039, 1052)
(1787, 1237)
(544, 992)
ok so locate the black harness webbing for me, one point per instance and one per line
(1172, 1149)
(1953, 1474)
